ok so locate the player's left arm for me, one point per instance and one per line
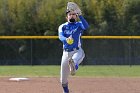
(85, 24)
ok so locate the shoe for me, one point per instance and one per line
(65, 88)
(66, 92)
(72, 67)
(76, 66)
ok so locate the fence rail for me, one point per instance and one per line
(56, 37)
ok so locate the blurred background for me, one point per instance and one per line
(43, 17)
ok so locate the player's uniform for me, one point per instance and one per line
(74, 50)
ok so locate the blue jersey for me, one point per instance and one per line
(74, 30)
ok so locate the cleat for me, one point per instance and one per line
(72, 67)
(76, 67)
(66, 92)
(65, 88)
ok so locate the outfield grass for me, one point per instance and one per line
(89, 71)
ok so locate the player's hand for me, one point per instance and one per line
(69, 40)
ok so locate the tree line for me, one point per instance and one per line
(43, 17)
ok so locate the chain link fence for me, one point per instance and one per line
(49, 52)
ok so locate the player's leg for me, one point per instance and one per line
(64, 72)
(78, 57)
(72, 67)
(71, 63)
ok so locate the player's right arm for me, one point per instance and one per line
(65, 40)
(61, 34)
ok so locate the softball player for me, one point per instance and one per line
(73, 54)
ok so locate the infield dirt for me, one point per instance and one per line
(76, 85)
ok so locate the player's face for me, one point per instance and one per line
(71, 17)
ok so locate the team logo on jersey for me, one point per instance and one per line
(68, 31)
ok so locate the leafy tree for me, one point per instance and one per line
(43, 17)
(132, 17)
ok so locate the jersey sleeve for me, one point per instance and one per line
(61, 34)
(84, 23)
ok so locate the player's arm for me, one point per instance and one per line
(85, 24)
(71, 6)
(64, 39)
(60, 34)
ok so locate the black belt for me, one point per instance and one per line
(73, 49)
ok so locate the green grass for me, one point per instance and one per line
(89, 71)
(110, 71)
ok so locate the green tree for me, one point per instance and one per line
(132, 17)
